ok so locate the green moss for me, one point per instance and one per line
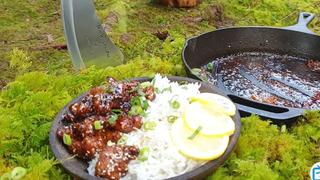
(269, 12)
(263, 152)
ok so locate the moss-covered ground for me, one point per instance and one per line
(36, 81)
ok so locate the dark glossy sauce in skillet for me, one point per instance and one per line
(275, 79)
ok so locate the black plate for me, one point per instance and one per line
(77, 167)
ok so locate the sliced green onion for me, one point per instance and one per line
(196, 132)
(210, 66)
(135, 101)
(183, 82)
(153, 82)
(6, 176)
(172, 119)
(140, 92)
(123, 140)
(144, 154)
(195, 71)
(145, 84)
(97, 125)
(139, 101)
(107, 89)
(67, 139)
(104, 83)
(145, 104)
(184, 87)
(116, 111)
(18, 172)
(149, 125)
(175, 105)
(167, 89)
(204, 77)
(135, 110)
(143, 114)
(113, 118)
(157, 90)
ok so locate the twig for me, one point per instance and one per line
(56, 13)
(54, 46)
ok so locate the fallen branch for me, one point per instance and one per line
(54, 46)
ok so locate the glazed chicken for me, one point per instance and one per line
(103, 116)
(102, 99)
(113, 161)
(86, 140)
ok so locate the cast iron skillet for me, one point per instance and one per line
(296, 41)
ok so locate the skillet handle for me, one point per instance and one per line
(304, 19)
(278, 115)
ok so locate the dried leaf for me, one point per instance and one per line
(161, 35)
(50, 38)
(192, 20)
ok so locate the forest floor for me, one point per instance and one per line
(32, 37)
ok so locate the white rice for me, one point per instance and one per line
(164, 160)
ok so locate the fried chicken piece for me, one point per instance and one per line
(126, 124)
(90, 145)
(83, 128)
(109, 135)
(125, 107)
(113, 161)
(86, 140)
(76, 148)
(137, 121)
(149, 93)
(100, 104)
(65, 130)
(68, 117)
(82, 109)
(103, 103)
(103, 99)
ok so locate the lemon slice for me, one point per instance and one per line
(212, 120)
(221, 102)
(200, 147)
